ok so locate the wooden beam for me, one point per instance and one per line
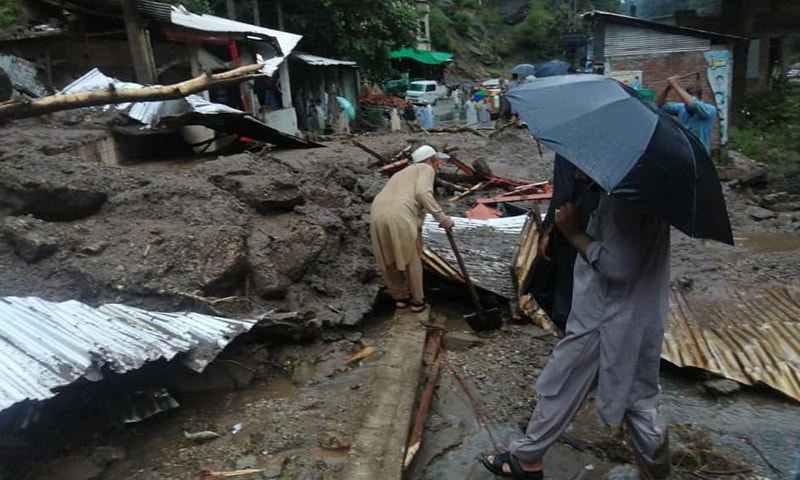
(139, 41)
(111, 96)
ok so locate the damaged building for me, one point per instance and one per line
(90, 45)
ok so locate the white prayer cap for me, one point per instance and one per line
(425, 152)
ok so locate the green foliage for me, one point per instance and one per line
(8, 13)
(463, 22)
(363, 30)
(194, 6)
(440, 35)
(772, 131)
(540, 31)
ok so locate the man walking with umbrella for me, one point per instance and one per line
(615, 329)
(613, 339)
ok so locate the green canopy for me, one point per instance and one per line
(431, 58)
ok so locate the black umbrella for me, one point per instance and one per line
(551, 68)
(629, 147)
(524, 69)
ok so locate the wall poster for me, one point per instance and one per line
(719, 77)
(631, 78)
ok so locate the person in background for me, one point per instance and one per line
(426, 116)
(396, 217)
(613, 341)
(692, 112)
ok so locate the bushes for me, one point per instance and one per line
(8, 12)
(771, 133)
(463, 22)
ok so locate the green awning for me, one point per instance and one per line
(431, 58)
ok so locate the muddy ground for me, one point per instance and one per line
(264, 231)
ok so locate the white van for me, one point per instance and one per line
(425, 91)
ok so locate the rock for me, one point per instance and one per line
(225, 262)
(22, 193)
(265, 194)
(334, 440)
(353, 336)
(272, 471)
(32, 239)
(774, 198)
(93, 248)
(721, 386)
(269, 282)
(248, 461)
(459, 342)
(759, 214)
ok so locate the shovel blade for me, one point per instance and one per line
(485, 320)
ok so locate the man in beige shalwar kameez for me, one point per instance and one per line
(396, 222)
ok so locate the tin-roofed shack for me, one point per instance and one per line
(643, 54)
(70, 38)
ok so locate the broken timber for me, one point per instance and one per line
(110, 96)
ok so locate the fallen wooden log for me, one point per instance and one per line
(472, 189)
(432, 359)
(455, 130)
(16, 109)
(372, 152)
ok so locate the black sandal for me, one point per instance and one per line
(505, 458)
(418, 307)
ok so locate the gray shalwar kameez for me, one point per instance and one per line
(613, 337)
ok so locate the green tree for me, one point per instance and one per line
(362, 30)
(540, 31)
(8, 12)
(463, 22)
(440, 34)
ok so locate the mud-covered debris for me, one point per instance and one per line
(31, 238)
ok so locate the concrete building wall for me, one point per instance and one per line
(424, 33)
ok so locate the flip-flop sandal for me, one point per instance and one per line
(505, 458)
(401, 304)
(418, 307)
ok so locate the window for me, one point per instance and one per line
(753, 59)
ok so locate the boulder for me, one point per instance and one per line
(225, 263)
(759, 214)
(32, 239)
(22, 193)
(459, 342)
(721, 386)
(263, 193)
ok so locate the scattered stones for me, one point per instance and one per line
(248, 461)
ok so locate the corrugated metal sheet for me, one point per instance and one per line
(753, 339)
(22, 74)
(209, 23)
(322, 61)
(487, 247)
(624, 40)
(46, 345)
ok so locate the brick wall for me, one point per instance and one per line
(657, 68)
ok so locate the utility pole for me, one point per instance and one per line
(256, 13)
(231, 10)
(139, 41)
(279, 8)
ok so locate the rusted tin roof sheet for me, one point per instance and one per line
(753, 339)
(46, 345)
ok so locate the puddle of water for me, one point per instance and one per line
(768, 242)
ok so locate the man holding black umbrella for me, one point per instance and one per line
(613, 339)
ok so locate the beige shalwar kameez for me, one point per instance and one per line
(395, 223)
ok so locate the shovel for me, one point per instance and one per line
(481, 320)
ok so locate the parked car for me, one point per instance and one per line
(793, 73)
(425, 91)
